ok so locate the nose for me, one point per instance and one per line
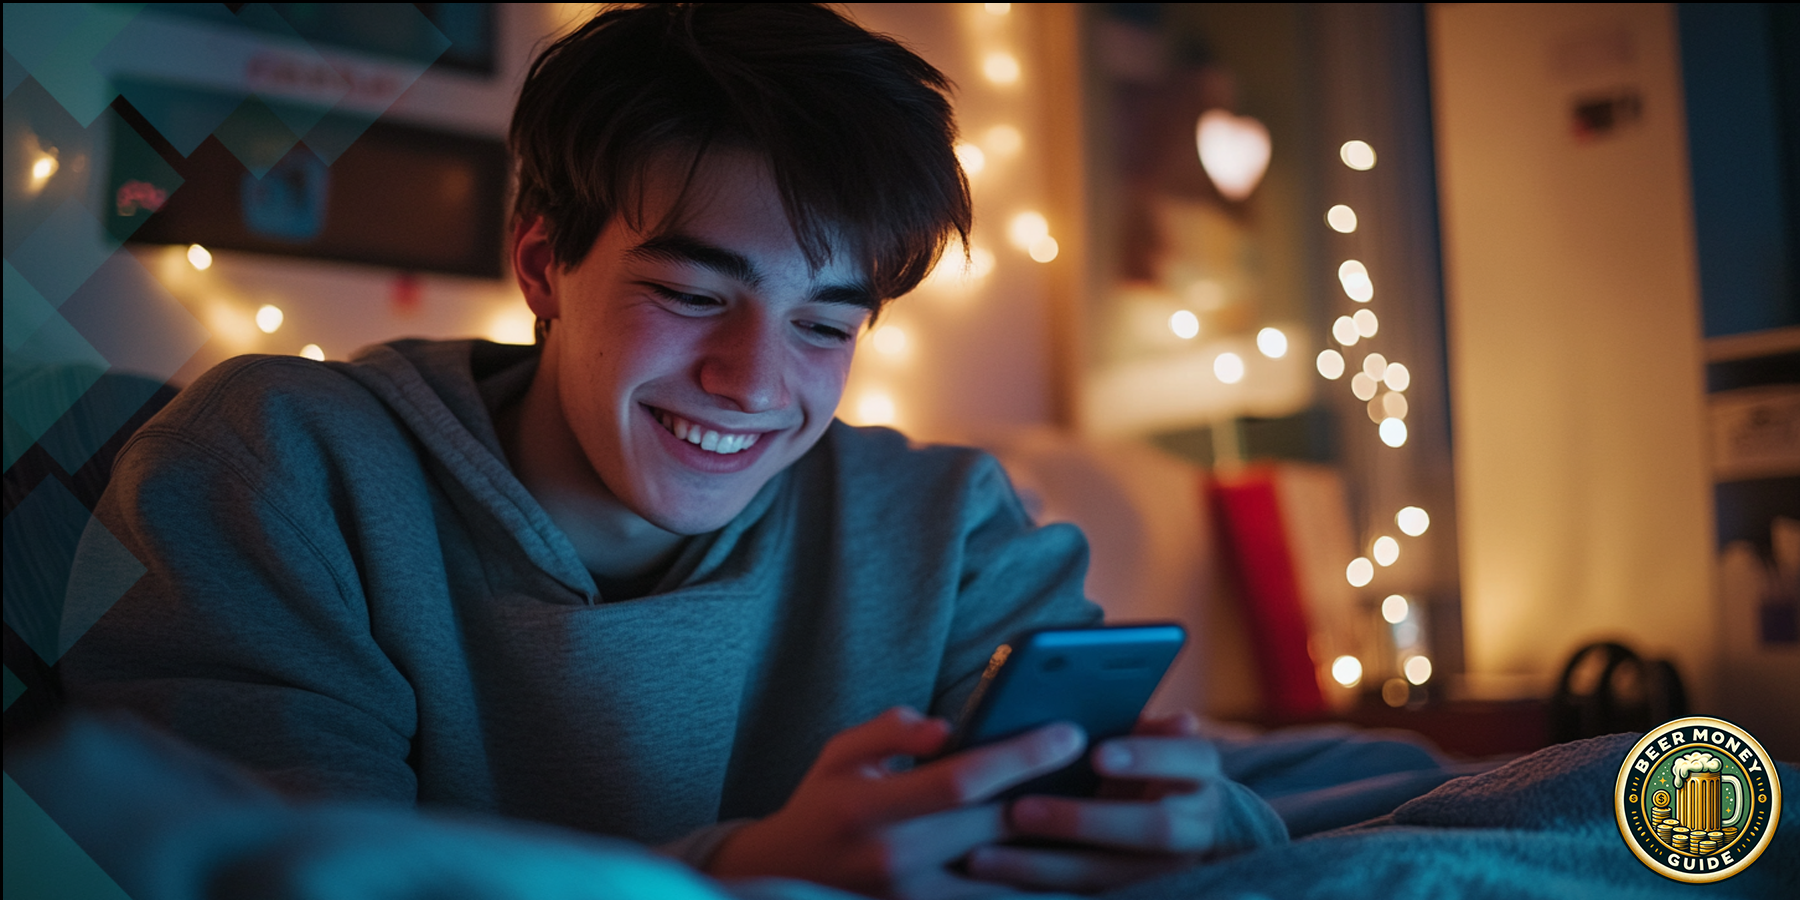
(744, 363)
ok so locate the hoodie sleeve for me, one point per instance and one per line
(247, 632)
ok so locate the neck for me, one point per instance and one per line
(614, 543)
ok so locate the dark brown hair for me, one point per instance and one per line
(856, 128)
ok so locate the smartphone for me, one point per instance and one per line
(1098, 678)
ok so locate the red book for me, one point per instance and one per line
(1255, 545)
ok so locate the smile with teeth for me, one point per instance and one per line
(705, 438)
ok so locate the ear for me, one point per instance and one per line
(534, 264)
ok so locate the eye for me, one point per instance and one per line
(829, 333)
(696, 302)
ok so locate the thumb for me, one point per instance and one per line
(901, 731)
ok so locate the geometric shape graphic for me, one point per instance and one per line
(133, 320)
(26, 309)
(41, 535)
(39, 394)
(183, 115)
(64, 63)
(256, 136)
(98, 416)
(1697, 799)
(15, 74)
(63, 251)
(14, 688)
(103, 571)
(43, 861)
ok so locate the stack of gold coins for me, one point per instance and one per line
(1729, 833)
(1665, 831)
(1659, 809)
(1681, 839)
(1717, 837)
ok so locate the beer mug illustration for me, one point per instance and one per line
(1699, 789)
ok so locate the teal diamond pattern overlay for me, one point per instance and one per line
(59, 50)
(26, 309)
(64, 570)
(43, 861)
(64, 250)
(15, 73)
(14, 688)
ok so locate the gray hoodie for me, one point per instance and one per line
(348, 591)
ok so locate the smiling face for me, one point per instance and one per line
(696, 359)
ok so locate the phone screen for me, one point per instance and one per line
(1098, 678)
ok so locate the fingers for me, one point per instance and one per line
(1182, 724)
(1068, 870)
(901, 731)
(974, 775)
(1168, 827)
(1185, 759)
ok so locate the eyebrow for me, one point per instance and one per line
(685, 249)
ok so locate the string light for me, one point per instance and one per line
(1331, 364)
(1344, 331)
(1386, 551)
(313, 352)
(973, 158)
(1272, 343)
(269, 318)
(1397, 377)
(1185, 324)
(876, 408)
(1394, 609)
(1001, 68)
(1375, 366)
(889, 340)
(1366, 323)
(1347, 671)
(1418, 670)
(1360, 572)
(1341, 218)
(199, 257)
(1412, 520)
(1229, 368)
(1363, 386)
(1357, 155)
(1043, 248)
(1393, 432)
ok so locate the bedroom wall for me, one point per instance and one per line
(1575, 345)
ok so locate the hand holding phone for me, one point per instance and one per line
(1097, 678)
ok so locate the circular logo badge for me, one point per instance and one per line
(1697, 799)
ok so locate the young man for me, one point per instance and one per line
(636, 580)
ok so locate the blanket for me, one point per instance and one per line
(109, 809)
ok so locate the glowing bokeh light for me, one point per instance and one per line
(1272, 343)
(1366, 323)
(1004, 140)
(1386, 551)
(1397, 377)
(43, 168)
(1357, 155)
(1394, 609)
(269, 318)
(889, 340)
(1412, 520)
(1360, 572)
(1393, 432)
(1346, 670)
(1354, 276)
(1341, 218)
(1185, 324)
(1363, 386)
(313, 352)
(1001, 68)
(1229, 368)
(1418, 670)
(1375, 366)
(1394, 404)
(1043, 248)
(973, 158)
(998, 9)
(199, 257)
(1026, 227)
(1344, 331)
(876, 408)
(1331, 364)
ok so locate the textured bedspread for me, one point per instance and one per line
(1540, 826)
(166, 823)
